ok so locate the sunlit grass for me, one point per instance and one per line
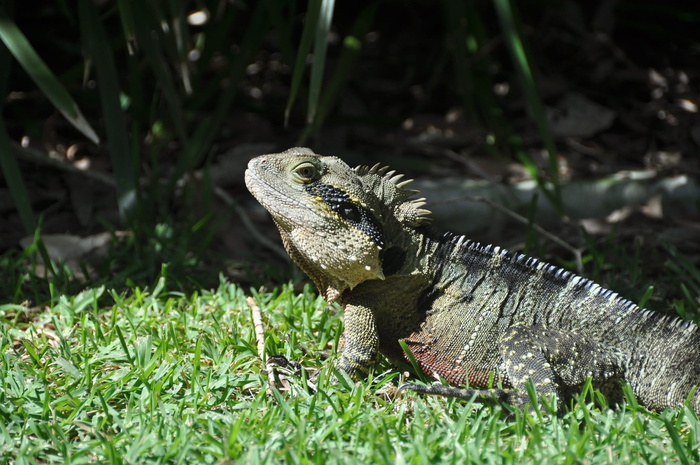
(150, 376)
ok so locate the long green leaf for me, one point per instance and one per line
(127, 20)
(8, 164)
(319, 61)
(149, 40)
(180, 41)
(13, 178)
(284, 28)
(307, 36)
(470, 42)
(461, 30)
(100, 52)
(514, 42)
(42, 76)
(209, 128)
(352, 46)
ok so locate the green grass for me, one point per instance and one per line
(150, 376)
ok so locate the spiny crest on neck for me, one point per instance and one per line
(391, 188)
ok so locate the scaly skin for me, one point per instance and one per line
(471, 314)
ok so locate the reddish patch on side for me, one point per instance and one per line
(432, 362)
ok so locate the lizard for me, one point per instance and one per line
(484, 320)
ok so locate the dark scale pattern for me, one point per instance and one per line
(340, 202)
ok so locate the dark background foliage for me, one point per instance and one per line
(436, 89)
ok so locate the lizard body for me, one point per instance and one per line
(472, 314)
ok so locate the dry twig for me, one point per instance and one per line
(260, 337)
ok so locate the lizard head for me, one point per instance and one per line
(333, 219)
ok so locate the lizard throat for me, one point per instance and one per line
(356, 215)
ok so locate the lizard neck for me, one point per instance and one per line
(408, 250)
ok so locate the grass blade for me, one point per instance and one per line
(100, 53)
(207, 131)
(471, 42)
(352, 46)
(149, 40)
(319, 61)
(513, 38)
(8, 163)
(180, 38)
(13, 178)
(414, 363)
(676, 442)
(127, 20)
(42, 76)
(312, 14)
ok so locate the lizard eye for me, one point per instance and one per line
(306, 172)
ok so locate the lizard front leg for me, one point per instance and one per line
(378, 307)
(361, 341)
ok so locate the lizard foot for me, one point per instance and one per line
(280, 369)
